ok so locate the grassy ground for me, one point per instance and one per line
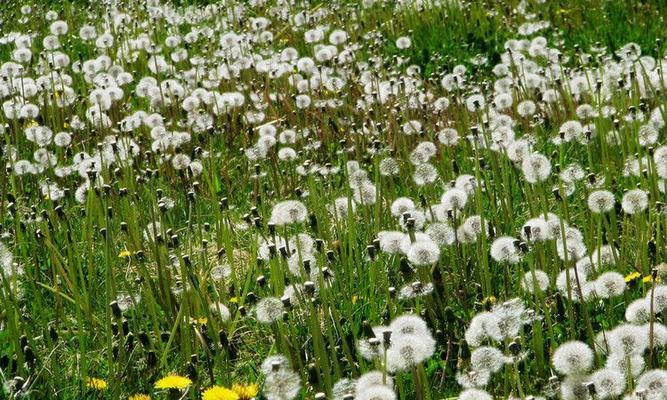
(79, 257)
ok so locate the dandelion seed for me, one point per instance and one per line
(344, 387)
(608, 383)
(487, 358)
(403, 42)
(282, 385)
(448, 136)
(454, 199)
(372, 379)
(638, 312)
(483, 326)
(272, 361)
(536, 168)
(654, 382)
(376, 392)
(473, 379)
(288, 212)
(505, 249)
(531, 281)
(441, 233)
(574, 388)
(423, 253)
(635, 201)
(401, 205)
(425, 173)
(609, 284)
(628, 339)
(573, 358)
(269, 310)
(474, 394)
(626, 364)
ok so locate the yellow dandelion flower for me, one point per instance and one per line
(489, 300)
(139, 396)
(219, 393)
(31, 124)
(124, 254)
(234, 299)
(354, 299)
(199, 321)
(173, 382)
(96, 383)
(649, 278)
(246, 392)
(632, 276)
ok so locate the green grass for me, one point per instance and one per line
(78, 257)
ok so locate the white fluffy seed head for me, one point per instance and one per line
(487, 358)
(401, 205)
(638, 312)
(601, 201)
(634, 201)
(505, 250)
(628, 339)
(573, 358)
(608, 383)
(535, 279)
(371, 379)
(441, 233)
(536, 168)
(407, 351)
(474, 394)
(269, 310)
(483, 327)
(376, 392)
(288, 212)
(609, 284)
(625, 364)
(654, 382)
(422, 253)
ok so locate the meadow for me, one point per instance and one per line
(344, 200)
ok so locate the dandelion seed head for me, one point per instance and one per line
(531, 281)
(574, 388)
(536, 168)
(609, 284)
(634, 201)
(573, 358)
(407, 351)
(654, 382)
(633, 363)
(372, 379)
(474, 394)
(473, 379)
(454, 199)
(608, 383)
(441, 233)
(288, 212)
(505, 249)
(487, 358)
(282, 385)
(628, 339)
(638, 312)
(424, 252)
(269, 310)
(483, 327)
